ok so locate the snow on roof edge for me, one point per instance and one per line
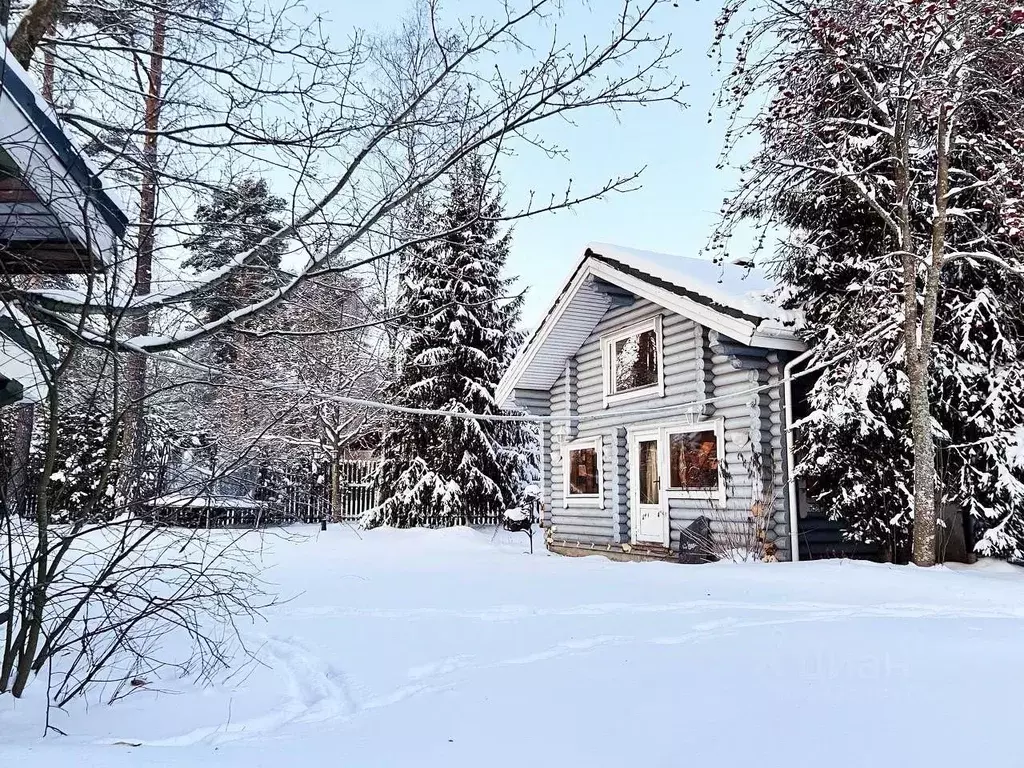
(739, 288)
(745, 293)
(109, 203)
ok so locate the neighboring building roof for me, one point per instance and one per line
(56, 217)
(27, 352)
(731, 299)
(18, 86)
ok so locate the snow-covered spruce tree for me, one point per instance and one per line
(460, 335)
(234, 220)
(890, 153)
(85, 480)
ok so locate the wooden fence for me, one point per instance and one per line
(242, 501)
(356, 483)
(245, 502)
(287, 499)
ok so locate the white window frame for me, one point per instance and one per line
(579, 499)
(718, 427)
(608, 343)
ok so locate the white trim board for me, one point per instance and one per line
(716, 425)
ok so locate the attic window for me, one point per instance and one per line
(633, 363)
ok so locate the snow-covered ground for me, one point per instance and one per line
(423, 648)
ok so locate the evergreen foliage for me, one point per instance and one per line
(234, 220)
(88, 465)
(460, 333)
(842, 263)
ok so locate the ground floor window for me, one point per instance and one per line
(582, 460)
(694, 456)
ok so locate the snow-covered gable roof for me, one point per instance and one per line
(51, 195)
(731, 299)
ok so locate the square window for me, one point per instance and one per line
(632, 360)
(635, 363)
(693, 460)
(582, 472)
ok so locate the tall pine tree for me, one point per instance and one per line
(460, 335)
(235, 220)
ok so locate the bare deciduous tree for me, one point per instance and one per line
(354, 135)
(407, 109)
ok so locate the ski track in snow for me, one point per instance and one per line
(318, 692)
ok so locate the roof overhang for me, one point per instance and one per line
(581, 303)
(67, 200)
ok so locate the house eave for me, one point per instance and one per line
(742, 327)
(23, 95)
(510, 381)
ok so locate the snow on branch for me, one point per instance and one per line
(411, 107)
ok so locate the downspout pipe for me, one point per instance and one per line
(794, 513)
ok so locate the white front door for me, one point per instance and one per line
(648, 508)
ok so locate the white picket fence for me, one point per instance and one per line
(313, 505)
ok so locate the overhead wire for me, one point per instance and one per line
(525, 417)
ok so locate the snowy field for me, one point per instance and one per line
(423, 648)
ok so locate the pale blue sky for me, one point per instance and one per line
(681, 190)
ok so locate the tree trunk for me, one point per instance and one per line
(21, 445)
(924, 466)
(37, 606)
(135, 374)
(336, 484)
(916, 348)
(48, 72)
(925, 485)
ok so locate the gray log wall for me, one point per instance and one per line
(698, 365)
